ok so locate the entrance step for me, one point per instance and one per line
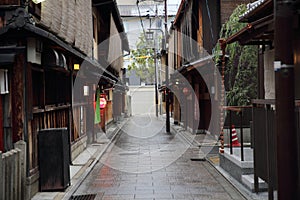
(248, 181)
(234, 166)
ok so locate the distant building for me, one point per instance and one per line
(133, 78)
(136, 17)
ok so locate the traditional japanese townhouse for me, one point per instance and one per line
(192, 38)
(43, 48)
(276, 150)
(110, 44)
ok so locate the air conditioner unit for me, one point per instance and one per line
(4, 81)
(34, 50)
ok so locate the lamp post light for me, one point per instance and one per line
(37, 1)
(150, 30)
(26, 2)
(149, 35)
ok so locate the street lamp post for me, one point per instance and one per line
(167, 70)
(167, 73)
(149, 35)
(156, 90)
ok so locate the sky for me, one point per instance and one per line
(125, 2)
(174, 1)
(134, 29)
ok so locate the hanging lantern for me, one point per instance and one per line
(185, 91)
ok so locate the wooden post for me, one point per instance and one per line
(176, 110)
(2, 178)
(223, 47)
(90, 118)
(22, 146)
(18, 98)
(287, 169)
(1, 126)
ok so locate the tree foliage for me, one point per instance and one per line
(241, 67)
(143, 61)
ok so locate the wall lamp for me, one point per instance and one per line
(149, 35)
(37, 1)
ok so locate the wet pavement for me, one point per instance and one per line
(144, 162)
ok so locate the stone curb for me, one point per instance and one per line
(89, 166)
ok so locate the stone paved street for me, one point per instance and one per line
(146, 163)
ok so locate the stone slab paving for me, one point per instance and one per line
(147, 163)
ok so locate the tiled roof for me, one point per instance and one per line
(252, 6)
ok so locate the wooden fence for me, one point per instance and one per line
(265, 142)
(12, 173)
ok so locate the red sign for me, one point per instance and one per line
(102, 102)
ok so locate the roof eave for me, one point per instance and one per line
(268, 4)
(263, 24)
(117, 19)
(180, 12)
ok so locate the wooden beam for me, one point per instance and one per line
(18, 98)
(1, 126)
(287, 147)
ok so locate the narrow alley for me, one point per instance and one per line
(149, 99)
(146, 163)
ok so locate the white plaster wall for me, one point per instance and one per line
(269, 74)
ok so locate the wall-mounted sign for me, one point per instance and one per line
(86, 90)
(4, 81)
(102, 102)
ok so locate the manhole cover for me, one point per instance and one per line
(83, 197)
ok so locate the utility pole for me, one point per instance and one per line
(155, 62)
(156, 90)
(167, 73)
(287, 166)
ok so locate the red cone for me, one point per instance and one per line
(234, 138)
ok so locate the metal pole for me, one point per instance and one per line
(167, 73)
(156, 71)
(242, 136)
(287, 172)
(156, 91)
(230, 131)
(155, 60)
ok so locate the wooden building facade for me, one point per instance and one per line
(41, 47)
(276, 149)
(193, 36)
